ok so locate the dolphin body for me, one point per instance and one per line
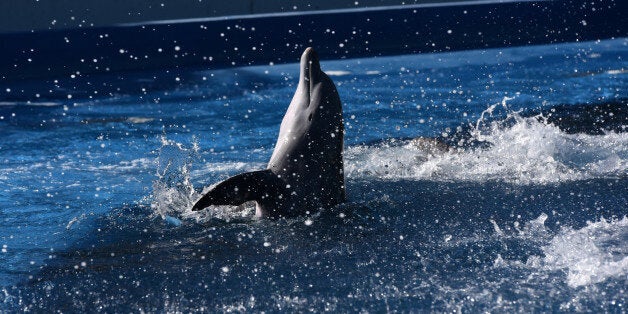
(306, 171)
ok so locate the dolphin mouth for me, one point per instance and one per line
(307, 62)
(309, 68)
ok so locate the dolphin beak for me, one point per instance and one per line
(306, 62)
(310, 66)
(310, 70)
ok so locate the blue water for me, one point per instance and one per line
(524, 210)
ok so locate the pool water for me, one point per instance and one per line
(521, 207)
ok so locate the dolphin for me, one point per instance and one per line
(305, 172)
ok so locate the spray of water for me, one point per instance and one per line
(519, 150)
(589, 255)
(173, 192)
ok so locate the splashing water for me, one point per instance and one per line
(519, 150)
(590, 255)
(173, 192)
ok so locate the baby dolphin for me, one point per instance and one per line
(305, 172)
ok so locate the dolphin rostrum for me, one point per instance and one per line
(306, 170)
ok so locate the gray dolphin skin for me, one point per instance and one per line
(305, 172)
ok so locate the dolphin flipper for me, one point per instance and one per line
(262, 186)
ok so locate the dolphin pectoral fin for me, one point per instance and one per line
(260, 186)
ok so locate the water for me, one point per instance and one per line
(520, 206)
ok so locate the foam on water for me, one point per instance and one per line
(590, 255)
(519, 150)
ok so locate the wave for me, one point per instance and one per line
(518, 149)
(589, 255)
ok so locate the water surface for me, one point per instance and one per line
(525, 210)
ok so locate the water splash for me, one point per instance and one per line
(173, 193)
(516, 149)
(590, 255)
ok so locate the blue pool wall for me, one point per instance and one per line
(214, 43)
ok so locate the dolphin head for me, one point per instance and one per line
(316, 91)
(310, 76)
(313, 119)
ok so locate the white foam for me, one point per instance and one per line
(522, 151)
(590, 255)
